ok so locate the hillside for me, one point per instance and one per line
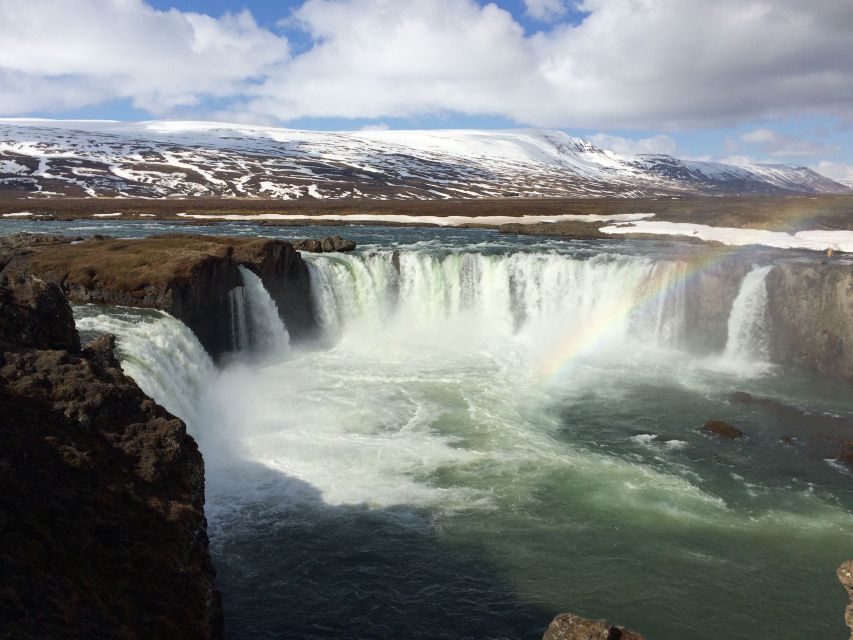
(46, 158)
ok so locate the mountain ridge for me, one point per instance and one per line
(160, 159)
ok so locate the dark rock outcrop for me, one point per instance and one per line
(568, 626)
(328, 244)
(810, 308)
(35, 315)
(722, 429)
(189, 276)
(102, 528)
(845, 575)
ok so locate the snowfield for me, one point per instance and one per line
(814, 240)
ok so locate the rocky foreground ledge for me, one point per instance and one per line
(102, 527)
(188, 276)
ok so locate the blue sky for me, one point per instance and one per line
(737, 80)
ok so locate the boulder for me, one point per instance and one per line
(328, 244)
(845, 575)
(722, 429)
(845, 454)
(568, 626)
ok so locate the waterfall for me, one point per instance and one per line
(501, 294)
(747, 327)
(255, 323)
(159, 352)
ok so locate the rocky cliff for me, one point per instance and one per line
(102, 528)
(189, 276)
(810, 307)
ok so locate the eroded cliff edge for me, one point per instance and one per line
(102, 527)
(188, 276)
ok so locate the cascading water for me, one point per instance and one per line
(747, 326)
(256, 325)
(546, 296)
(159, 352)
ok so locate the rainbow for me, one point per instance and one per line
(794, 215)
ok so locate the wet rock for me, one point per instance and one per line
(845, 575)
(102, 527)
(23, 240)
(568, 626)
(311, 245)
(845, 455)
(101, 351)
(328, 244)
(722, 429)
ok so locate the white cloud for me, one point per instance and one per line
(545, 10)
(376, 127)
(62, 55)
(739, 160)
(629, 147)
(778, 145)
(842, 173)
(665, 64)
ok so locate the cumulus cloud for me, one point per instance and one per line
(630, 147)
(778, 145)
(839, 172)
(63, 55)
(650, 64)
(545, 10)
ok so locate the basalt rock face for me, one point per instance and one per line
(189, 276)
(102, 528)
(708, 299)
(568, 626)
(810, 309)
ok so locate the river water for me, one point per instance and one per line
(492, 430)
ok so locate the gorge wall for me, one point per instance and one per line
(810, 308)
(102, 527)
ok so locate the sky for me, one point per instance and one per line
(731, 80)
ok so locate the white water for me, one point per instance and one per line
(256, 324)
(747, 339)
(468, 299)
(160, 353)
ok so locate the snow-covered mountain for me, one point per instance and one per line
(179, 159)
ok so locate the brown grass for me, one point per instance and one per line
(789, 213)
(136, 265)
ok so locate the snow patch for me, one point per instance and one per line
(813, 240)
(441, 221)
